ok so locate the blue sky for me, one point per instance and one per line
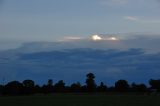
(47, 20)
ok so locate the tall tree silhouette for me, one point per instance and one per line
(121, 85)
(91, 86)
(49, 87)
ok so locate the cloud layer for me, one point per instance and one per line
(72, 65)
(135, 59)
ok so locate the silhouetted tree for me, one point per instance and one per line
(76, 87)
(13, 88)
(44, 89)
(102, 87)
(155, 84)
(139, 87)
(84, 88)
(50, 82)
(111, 89)
(49, 86)
(91, 86)
(1, 89)
(38, 89)
(121, 85)
(59, 86)
(28, 83)
(29, 86)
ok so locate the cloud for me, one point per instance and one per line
(131, 64)
(135, 55)
(70, 38)
(147, 41)
(108, 60)
(131, 18)
(141, 20)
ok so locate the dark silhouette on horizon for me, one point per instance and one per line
(28, 87)
(91, 85)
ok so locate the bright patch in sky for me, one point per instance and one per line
(72, 38)
(113, 38)
(96, 37)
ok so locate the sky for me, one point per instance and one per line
(42, 39)
(49, 20)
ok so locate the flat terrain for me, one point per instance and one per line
(81, 100)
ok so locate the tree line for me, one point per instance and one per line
(28, 87)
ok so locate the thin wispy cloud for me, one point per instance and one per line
(71, 38)
(131, 18)
(141, 20)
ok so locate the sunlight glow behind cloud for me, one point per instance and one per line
(113, 38)
(96, 37)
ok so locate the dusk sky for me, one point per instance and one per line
(115, 39)
(49, 20)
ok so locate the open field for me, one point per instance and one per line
(81, 100)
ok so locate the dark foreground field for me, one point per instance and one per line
(81, 100)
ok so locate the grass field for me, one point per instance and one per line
(81, 100)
